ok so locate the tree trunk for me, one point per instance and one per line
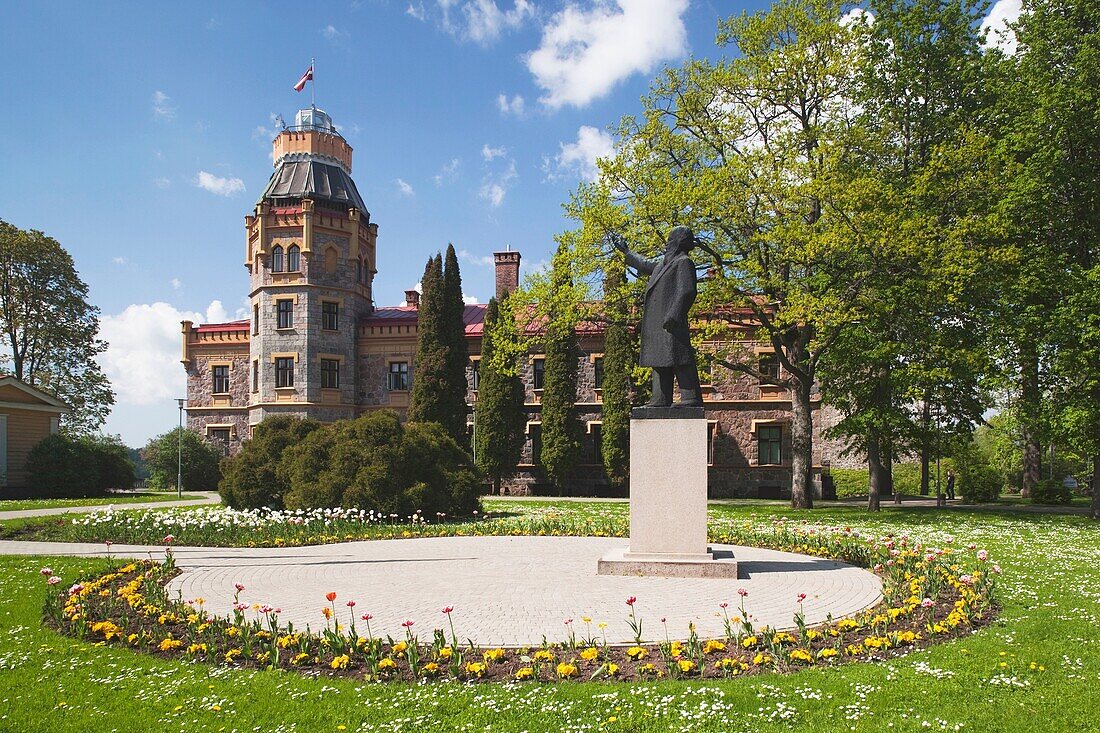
(802, 432)
(1029, 419)
(496, 485)
(888, 467)
(875, 474)
(1096, 486)
(925, 448)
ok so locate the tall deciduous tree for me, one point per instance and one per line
(561, 426)
(499, 417)
(48, 327)
(752, 153)
(923, 87)
(1055, 202)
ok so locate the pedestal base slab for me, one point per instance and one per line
(717, 562)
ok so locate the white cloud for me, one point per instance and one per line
(469, 299)
(448, 173)
(142, 359)
(416, 11)
(119, 260)
(162, 106)
(331, 33)
(583, 54)
(404, 188)
(161, 182)
(483, 261)
(513, 106)
(176, 283)
(489, 153)
(579, 158)
(996, 23)
(480, 21)
(218, 185)
(496, 187)
(485, 21)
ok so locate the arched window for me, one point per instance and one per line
(330, 260)
(293, 258)
(277, 259)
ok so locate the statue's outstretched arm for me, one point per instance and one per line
(639, 263)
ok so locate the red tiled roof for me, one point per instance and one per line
(473, 316)
(231, 326)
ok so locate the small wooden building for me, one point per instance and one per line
(27, 415)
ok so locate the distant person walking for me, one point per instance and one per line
(950, 484)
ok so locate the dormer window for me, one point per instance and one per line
(293, 258)
(277, 259)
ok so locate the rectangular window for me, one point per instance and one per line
(769, 366)
(769, 439)
(220, 438)
(330, 374)
(597, 444)
(284, 371)
(284, 310)
(255, 319)
(221, 379)
(597, 368)
(330, 316)
(256, 375)
(712, 430)
(538, 372)
(534, 431)
(477, 373)
(399, 376)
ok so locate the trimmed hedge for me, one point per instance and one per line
(61, 466)
(372, 462)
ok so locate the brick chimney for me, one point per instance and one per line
(507, 272)
(412, 298)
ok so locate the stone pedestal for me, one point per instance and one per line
(668, 499)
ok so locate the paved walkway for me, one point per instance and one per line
(504, 590)
(205, 497)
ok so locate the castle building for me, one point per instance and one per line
(316, 345)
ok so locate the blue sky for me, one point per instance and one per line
(139, 136)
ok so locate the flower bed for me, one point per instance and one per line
(929, 595)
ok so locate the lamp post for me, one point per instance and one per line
(179, 452)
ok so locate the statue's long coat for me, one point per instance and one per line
(670, 292)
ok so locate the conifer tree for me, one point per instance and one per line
(499, 418)
(454, 336)
(618, 362)
(429, 374)
(561, 427)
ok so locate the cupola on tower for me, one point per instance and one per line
(310, 253)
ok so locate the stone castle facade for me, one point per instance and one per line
(316, 345)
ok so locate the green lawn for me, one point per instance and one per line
(8, 505)
(986, 682)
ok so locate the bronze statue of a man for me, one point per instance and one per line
(665, 336)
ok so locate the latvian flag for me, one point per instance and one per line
(308, 76)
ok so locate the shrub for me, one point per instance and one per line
(1051, 492)
(251, 479)
(200, 461)
(114, 467)
(63, 466)
(374, 462)
(978, 481)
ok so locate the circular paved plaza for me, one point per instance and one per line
(513, 590)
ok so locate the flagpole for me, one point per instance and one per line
(313, 85)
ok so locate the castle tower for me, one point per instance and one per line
(310, 252)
